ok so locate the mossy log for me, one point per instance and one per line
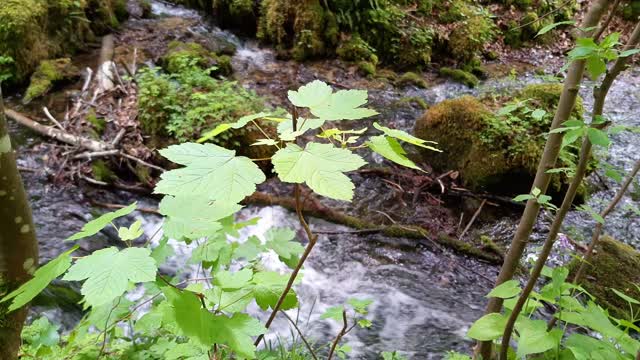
(317, 210)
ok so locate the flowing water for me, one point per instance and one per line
(424, 298)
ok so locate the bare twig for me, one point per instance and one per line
(340, 335)
(96, 154)
(122, 153)
(118, 138)
(53, 120)
(473, 218)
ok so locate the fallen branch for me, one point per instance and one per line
(53, 120)
(57, 134)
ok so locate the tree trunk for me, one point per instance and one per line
(18, 245)
(542, 179)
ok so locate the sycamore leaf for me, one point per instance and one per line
(488, 327)
(248, 249)
(268, 288)
(214, 249)
(228, 280)
(534, 337)
(94, 226)
(41, 279)
(334, 312)
(108, 273)
(230, 301)
(341, 105)
(236, 332)
(404, 136)
(131, 233)
(391, 150)
(280, 241)
(361, 306)
(320, 166)
(506, 290)
(285, 128)
(210, 171)
(242, 122)
(193, 216)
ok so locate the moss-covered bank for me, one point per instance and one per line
(36, 30)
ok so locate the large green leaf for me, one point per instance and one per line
(281, 241)
(206, 328)
(341, 105)
(94, 226)
(210, 171)
(488, 327)
(193, 216)
(268, 288)
(108, 273)
(390, 149)
(534, 337)
(228, 280)
(506, 290)
(41, 278)
(320, 166)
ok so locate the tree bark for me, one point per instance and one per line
(542, 178)
(18, 245)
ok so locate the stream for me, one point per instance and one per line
(424, 298)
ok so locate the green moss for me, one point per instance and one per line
(460, 76)
(98, 124)
(356, 49)
(147, 10)
(413, 100)
(494, 152)
(614, 265)
(181, 56)
(102, 172)
(411, 78)
(106, 15)
(47, 75)
(366, 68)
(470, 36)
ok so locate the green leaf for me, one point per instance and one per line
(94, 226)
(320, 166)
(41, 279)
(41, 333)
(538, 114)
(131, 233)
(236, 332)
(285, 128)
(185, 310)
(360, 305)
(230, 301)
(280, 241)
(403, 136)
(523, 197)
(210, 171)
(391, 150)
(268, 288)
(534, 337)
(194, 216)
(629, 52)
(625, 297)
(242, 122)
(598, 137)
(550, 27)
(334, 312)
(248, 249)
(488, 327)
(507, 289)
(108, 273)
(228, 280)
(311, 95)
(214, 250)
(342, 105)
(596, 66)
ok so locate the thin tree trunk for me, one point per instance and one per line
(542, 178)
(18, 245)
(600, 95)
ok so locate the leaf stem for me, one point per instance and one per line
(340, 335)
(304, 340)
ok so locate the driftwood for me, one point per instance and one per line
(50, 131)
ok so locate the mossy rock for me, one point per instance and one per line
(102, 172)
(469, 37)
(460, 76)
(48, 74)
(367, 68)
(106, 15)
(181, 55)
(412, 79)
(356, 49)
(614, 265)
(497, 153)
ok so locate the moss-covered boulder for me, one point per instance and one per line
(48, 74)
(35, 30)
(495, 144)
(614, 265)
(470, 36)
(460, 76)
(181, 55)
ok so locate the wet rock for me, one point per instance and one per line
(181, 55)
(460, 76)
